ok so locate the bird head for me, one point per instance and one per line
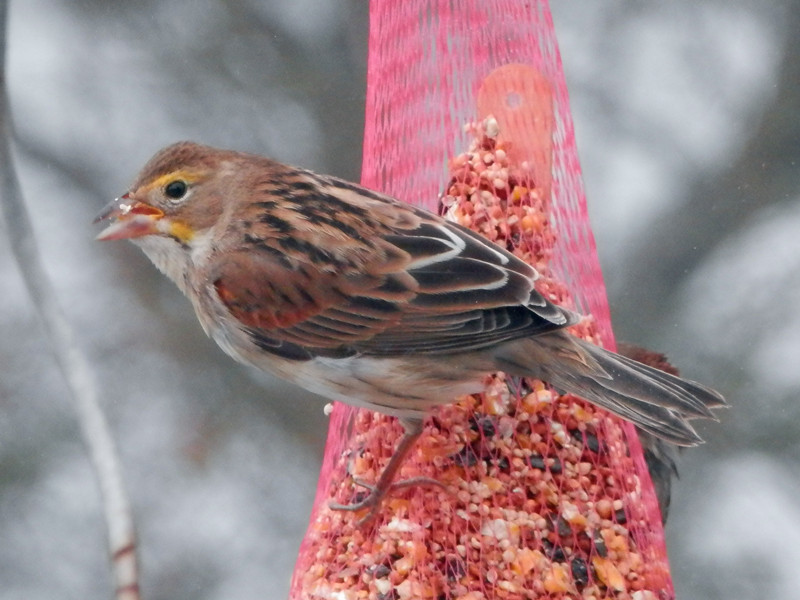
(174, 197)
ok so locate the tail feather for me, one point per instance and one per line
(637, 380)
(662, 422)
(659, 403)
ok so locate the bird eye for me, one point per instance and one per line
(176, 189)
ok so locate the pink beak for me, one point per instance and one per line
(132, 219)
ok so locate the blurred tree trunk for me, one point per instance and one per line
(763, 176)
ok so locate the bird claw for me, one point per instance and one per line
(369, 500)
(375, 497)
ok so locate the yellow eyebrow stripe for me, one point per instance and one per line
(187, 176)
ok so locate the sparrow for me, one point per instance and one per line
(660, 456)
(361, 298)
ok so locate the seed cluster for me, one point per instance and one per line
(540, 496)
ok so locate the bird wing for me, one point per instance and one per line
(408, 281)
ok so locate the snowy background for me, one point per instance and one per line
(688, 125)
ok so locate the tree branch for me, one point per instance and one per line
(74, 365)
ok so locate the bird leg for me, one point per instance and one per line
(385, 483)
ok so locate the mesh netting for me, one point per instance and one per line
(544, 495)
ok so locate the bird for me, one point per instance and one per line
(361, 298)
(660, 456)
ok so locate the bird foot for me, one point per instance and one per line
(374, 498)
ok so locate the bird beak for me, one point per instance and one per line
(132, 219)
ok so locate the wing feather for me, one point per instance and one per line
(412, 282)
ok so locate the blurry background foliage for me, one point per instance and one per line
(687, 124)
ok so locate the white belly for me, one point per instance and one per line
(400, 387)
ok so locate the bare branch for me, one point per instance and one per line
(74, 365)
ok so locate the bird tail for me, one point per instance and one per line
(660, 403)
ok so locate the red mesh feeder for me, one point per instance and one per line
(539, 495)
